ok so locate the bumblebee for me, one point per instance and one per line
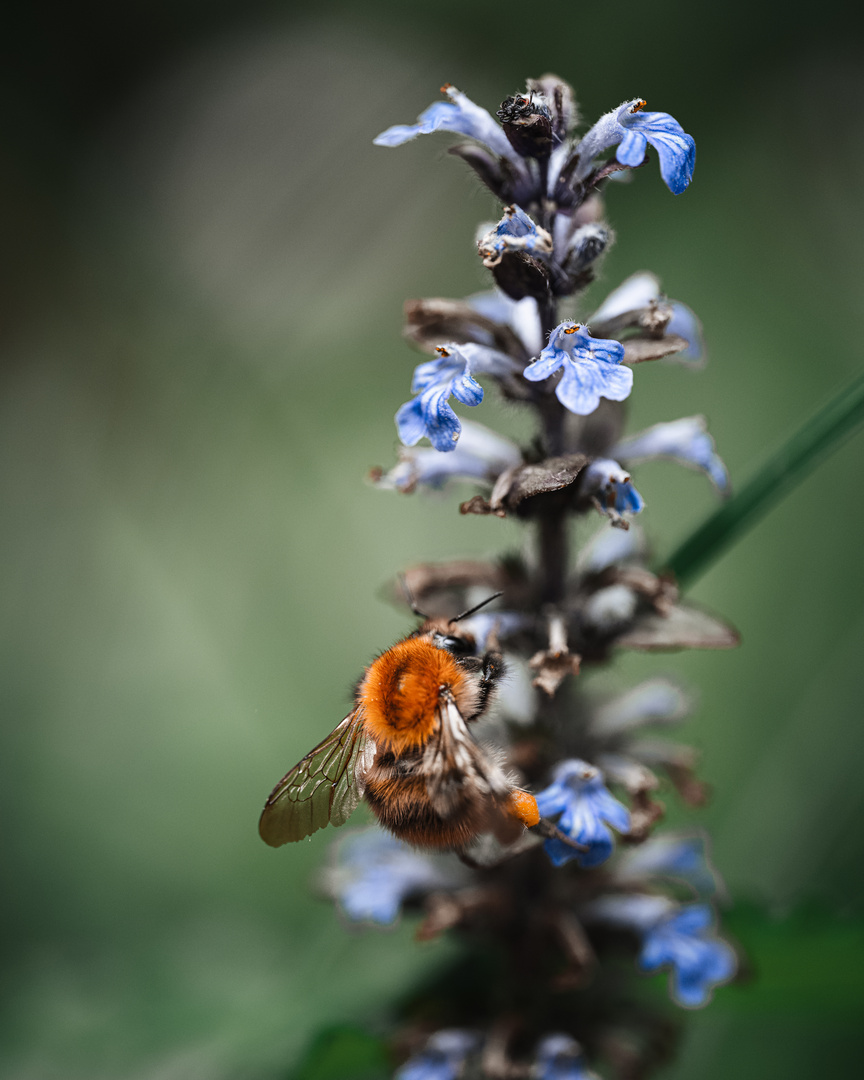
(406, 747)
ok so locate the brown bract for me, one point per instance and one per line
(433, 320)
(522, 489)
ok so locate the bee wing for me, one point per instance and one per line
(325, 787)
(455, 765)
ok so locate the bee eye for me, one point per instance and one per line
(457, 645)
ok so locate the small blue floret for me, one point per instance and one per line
(578, 794)
(686, 441)
(375, 873)
(459, 115)
(442, 1058)
(450, 373)
(631, 129)
(592, 368)
(684, 942)
(612, 487)
(560, 1057)
(675, 148)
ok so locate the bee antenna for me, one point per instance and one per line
(476, 607)
(409, 596)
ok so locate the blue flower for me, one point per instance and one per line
(609, 546)
(698, 961)
(642, 290)
(631, 129)
(560, 1058)
(521, 316)
(480, 454)
(442, 1058)
(459, 115)
(686, 441)
(374, 873)
(610, 485)
(672, 855)
(429, 413)
(578, 794)
(592, 368)
(514, 232)
(674, 936)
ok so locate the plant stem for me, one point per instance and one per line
(820, 436)
(553, 534)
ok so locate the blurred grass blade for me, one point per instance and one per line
(811, 444)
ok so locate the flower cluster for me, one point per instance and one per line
(597, 877)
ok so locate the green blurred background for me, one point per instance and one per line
(205, 265)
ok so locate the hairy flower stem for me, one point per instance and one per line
(554, 537)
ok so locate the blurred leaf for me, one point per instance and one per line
(819, 437)
(344, 1053)
(809, 961)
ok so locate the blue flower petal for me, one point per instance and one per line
(547, 364)
(467, 390)
(631, 149)
(410, 422)
(459, 115)
(442, 424)
(585, 382)
(675, 148)
(685, 324)
(439, 370)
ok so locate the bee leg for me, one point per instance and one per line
(491, 671)
(464, 857)
(547, 830)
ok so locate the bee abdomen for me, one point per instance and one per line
(402, 806)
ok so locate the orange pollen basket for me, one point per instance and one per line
(523, 807)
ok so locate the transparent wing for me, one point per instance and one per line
(456, 767)
(324, 788)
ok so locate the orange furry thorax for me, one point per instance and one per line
(401, 690)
